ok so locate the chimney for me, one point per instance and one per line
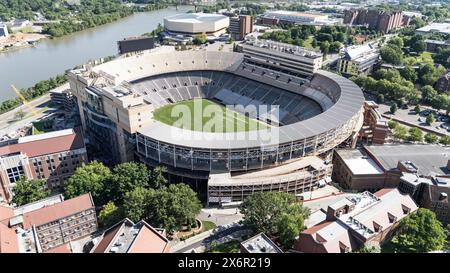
(448, 164)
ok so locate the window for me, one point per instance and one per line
(15, 173)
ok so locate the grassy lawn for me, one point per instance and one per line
(228, 247)
(215, 118)
(41, 127)
(208, 225)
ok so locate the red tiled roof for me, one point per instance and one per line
(58, 211)
(383, 192)
(315, 228)
(60, 249)
(149, 240)
(46, 146)
(8, 240)
(108, 237)
(6, 212)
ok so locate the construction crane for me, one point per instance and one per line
(24, 101)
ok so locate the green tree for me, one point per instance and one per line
(431, 138)
(126, 177)
(415, 134)
(445, 140)
(173, 206)
(430, 119)
(20, 114)
(264, 210)
(380, 98)
(400, 132)
(393, 108)
(314, 43)
(393, 124)
(109, 215)
(421, 232)
(157, 179)
(396, 41)
(135, 204)
(409, 73)
(290, 225)
(391, 54)
(428, 94)
(28, 191)
(417, 109)
(325, 48)
(89, 178)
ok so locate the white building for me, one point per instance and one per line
(300, 18)
(443, 28)
(197, 23)
(358, 59)
(3, 30)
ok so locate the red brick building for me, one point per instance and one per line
(51, 156)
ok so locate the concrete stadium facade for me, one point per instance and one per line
(319, 114)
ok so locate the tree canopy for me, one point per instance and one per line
(27, 191)
(92, 178)
(275, 213)
(420, 232)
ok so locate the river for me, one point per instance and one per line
(50, 57)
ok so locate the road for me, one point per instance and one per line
(219, 234)
(8, 121)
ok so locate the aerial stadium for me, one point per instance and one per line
(127, 104)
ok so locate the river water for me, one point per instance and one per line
(50, 57)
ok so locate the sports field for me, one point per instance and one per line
(206, 116)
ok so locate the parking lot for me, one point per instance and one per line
(441, 124)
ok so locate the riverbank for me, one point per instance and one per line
(50, 57)
(20, 40)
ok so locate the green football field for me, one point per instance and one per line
(210, 117)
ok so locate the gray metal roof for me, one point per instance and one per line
(350, 101)
(430, 159)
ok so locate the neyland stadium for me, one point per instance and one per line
(317, 111)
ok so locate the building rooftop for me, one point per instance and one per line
(260, 243)
(370, 215)
(361, 53)
(128, 237)
(196, 18)
(57, 211)
(283, 48)
(431, 160)
(47, 143)
(435, 27)
(358, 162)
(295, 13)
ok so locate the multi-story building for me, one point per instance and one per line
(63, 97)
(47, 224)
(358, 59)
(299, 18)
(434, 45)
(3, 30)
(375, 129)
(381, 166)
(431, 193)
(366, 219)
(443, 83)
(442, 28)
(129, 237)
(50, 156)
(240, 26)
(281, 57)
(378, 20)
